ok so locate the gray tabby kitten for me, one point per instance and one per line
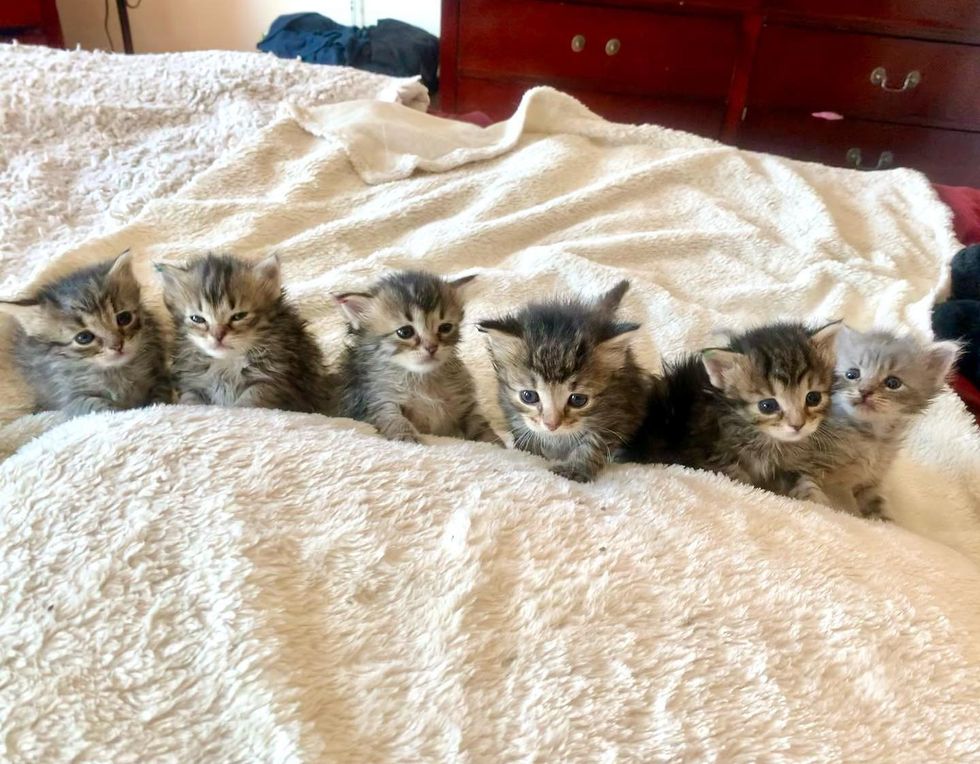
(883, 381)
(567, 381)
(746, 410)
(400, 372)
(85, 342)
(238, 342)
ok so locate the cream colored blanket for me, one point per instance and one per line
(194, 584)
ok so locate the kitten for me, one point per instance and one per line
(238, 342)
(86, 343)
(567, 381)
(883, 381)
(744, 410)
(401, 372)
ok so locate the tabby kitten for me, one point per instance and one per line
(238, 342)
(883, 381)
(85, 342)
(400, 371)
(745, 410)
(567, 381)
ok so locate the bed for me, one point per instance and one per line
(196, 584)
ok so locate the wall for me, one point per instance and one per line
(168, 25)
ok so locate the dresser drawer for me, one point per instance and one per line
(938, 17)
(499, 99)
(908, 81)
(626, 51)
(946, 156)
(19, 13)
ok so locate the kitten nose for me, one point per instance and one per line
(431, 347)
(865, 394)
(796, 427)
(552, 424)
(220, 332)
(117, 344)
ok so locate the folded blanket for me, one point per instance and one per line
(195, 583)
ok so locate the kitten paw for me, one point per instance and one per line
(573, 472)
(402, 436)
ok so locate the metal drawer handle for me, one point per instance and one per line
(612, 47)
(578, 43)
(885, 160)
(879, 77)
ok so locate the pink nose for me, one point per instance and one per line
(430, 348)
(220, 332)
(117, 346)
(797, 427)
(551, 424)
(865, 394)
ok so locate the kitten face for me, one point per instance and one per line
(881, 377)
(412, 318)
(221, 303)
(92, 315)
(780, 376)
(554, 360)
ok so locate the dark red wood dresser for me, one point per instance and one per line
(899, 79)
(32, 22)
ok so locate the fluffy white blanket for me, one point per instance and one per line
(199, 584)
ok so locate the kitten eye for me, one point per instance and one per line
(813, 398)
(769, 406)
(853, 374)
(893, 383)
(529, 396)
(125, 318)
(84, 338)
(405, 332)
(577, 400)
(239, 316)
(197, 319)
(445, 328)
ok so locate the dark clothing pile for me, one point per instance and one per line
(959, 317)
(390, 47)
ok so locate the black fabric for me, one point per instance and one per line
(959, 318)
(391, 47)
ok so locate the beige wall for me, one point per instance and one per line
(169, 25)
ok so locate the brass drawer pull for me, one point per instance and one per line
(578, 43)
(879, 77)
(612, 47)
(885, 160)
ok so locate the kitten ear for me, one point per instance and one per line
(500, 328)
(172, 274)
(825, 338)
(505, 335)
(619, 336)
(940, 359)
(609, 302)
(461, 281)
(28, 313)
(268, 271)
(720, 364)
(355, 306)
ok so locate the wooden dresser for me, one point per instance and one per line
(32, 22)
(866, 84)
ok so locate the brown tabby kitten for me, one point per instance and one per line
(567, 381)
(745, 410)
(85, 342)
(400, 371)
(882, 383)
(238, 342)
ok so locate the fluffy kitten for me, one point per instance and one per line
(85, 342)
(744, 410)
(882, 383)
(567, 381)
(238, 342)
(400, 372)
